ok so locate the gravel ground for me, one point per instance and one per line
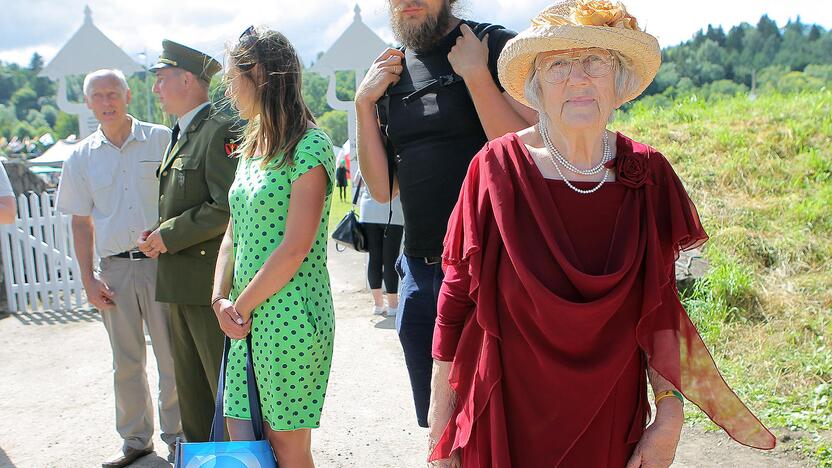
(57, 406)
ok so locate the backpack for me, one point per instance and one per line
(415, 91)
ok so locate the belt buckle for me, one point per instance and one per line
(130, 253)
(432, 260)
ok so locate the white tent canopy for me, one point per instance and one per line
(86, 51)
(357, 47)
(55, 155)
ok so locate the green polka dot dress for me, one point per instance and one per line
(292, 331)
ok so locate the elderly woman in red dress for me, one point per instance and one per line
(559, 301)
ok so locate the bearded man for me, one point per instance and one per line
(424, 110)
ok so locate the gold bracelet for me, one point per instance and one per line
(669, 393)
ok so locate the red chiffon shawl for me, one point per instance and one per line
(506, 262)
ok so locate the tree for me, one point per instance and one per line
(36, 119)
(795, 26)
(43, 87)
(7, 120)
(24, 100)
(795, 50)
(709, 61)
(314, 93)
(334, 123)
(66, 125)
(7, 86)
(345, 85)
(814, 33)
(716, 35)
(736, 35)
(50, 113)
(36, 63)
(668, 76)
(767, 27)
(144, 99)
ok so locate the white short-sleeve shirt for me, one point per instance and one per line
(5, 183)
(118, 187)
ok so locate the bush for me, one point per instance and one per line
(36, 119)
(795, 82)
(821, 72)
(23, 130)
(723, 88)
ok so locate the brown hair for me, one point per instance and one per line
(270, 62)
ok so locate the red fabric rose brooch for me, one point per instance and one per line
(631, 169)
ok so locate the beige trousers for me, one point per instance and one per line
(134, 284)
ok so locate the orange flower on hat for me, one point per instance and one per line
(603, 13)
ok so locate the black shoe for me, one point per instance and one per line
(129, 456)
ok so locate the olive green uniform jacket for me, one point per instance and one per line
(193, 207)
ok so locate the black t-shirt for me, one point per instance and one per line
(435, 137)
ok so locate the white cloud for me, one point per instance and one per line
(312, 25)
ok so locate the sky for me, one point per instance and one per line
(43, 26)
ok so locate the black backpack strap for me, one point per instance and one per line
(485, 28)
(432, 86)
(383, 111)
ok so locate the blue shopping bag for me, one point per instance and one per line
(217, 453)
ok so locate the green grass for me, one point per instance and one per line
(760, 173)
(338, 208)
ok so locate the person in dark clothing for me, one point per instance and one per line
(384, 242)
(445, 102)
(341, 175)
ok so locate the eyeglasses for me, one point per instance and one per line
(246, 37)
(557, 68)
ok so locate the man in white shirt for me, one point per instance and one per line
(8, 208)
(109, 186)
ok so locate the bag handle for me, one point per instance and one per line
(357, 190)
(218, 424)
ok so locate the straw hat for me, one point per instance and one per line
(576, 24)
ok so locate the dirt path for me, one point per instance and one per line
(56, 399)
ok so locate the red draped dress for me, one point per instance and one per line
(554, 302)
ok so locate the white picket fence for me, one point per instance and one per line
(39, 266)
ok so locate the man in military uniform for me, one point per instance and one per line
(194, 178)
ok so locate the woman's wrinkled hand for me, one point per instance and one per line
(454, 461)
(657, 447)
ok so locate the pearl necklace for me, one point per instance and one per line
(555, 157)
(544, 133)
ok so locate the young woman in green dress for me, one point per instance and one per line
(271, 278)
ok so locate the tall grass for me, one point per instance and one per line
(760, 173)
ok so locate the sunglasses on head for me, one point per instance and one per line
(246, 37)
(248, 32)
